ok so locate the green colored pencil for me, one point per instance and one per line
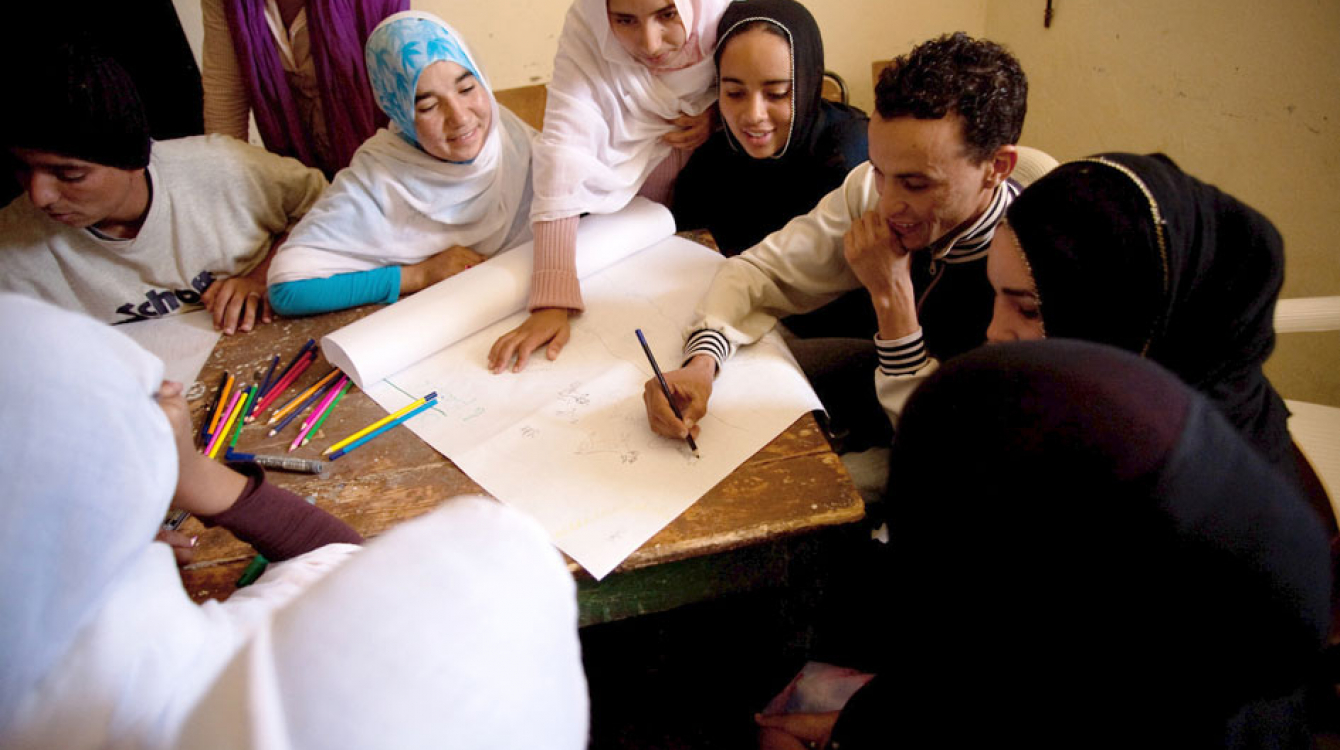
(251, 396)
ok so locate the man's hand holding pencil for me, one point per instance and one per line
(691, 387)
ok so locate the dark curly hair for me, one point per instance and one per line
(976, 78)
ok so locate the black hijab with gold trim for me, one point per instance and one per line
(1131, 251)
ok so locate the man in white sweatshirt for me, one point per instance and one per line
(909, 229)
(123, 228)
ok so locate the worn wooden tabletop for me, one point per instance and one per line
(794, 485)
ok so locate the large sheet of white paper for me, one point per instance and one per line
(183, 342)
(567, 441)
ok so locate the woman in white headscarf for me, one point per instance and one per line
(443, 188)
(631, 97)
(458, 629)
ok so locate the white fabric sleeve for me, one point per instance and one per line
(903, 364)
(796, 269)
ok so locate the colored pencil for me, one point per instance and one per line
(223, 399)
(319, 411)
(209, 412)
(289, 367)
(307, 436)
(388, 426)
(301, 398)
(389, 417)
(265, 383)
(215, 442)
(665, 387)
(281, 385)
(251, 396)
(312, 398)
(253, 571)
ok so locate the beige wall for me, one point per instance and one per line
(516, 39)
(1243, 94)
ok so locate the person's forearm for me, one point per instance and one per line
(554, 281)
(338, 292)
(278, 523)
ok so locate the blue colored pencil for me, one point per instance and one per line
(380, 430)
(265, 384)
(311, 343)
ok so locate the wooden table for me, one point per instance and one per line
(736, 537)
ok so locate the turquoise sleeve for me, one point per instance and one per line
(338, 292)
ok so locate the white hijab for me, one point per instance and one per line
(457, 629)
(606, 111)
(396, 204)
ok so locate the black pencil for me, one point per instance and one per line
(209, 413)
(665, 388)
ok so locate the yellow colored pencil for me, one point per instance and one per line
(297, 401)
(223, 399)
(223, 430)
(389, 417)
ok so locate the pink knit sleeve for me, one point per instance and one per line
(554, 280)
(660, 184)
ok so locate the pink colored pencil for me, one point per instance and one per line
(214, 441)
(314, 415)
(281, 386)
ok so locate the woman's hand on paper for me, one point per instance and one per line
(444, 265)
(794, 731)
(237, 303)
(547, 325)
(204, 487)
(691, 387)
(691, 131)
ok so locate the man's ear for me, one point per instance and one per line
(1002, 164)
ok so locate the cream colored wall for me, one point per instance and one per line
(516, 39)
(1241, 93)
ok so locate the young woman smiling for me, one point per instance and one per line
(631, 97)
(784, 146)
(445, 188)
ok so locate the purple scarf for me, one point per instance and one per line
(337, 30)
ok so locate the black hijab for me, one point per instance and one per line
(1084, 552)
(741, 199)
(1131, 251)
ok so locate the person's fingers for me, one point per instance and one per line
(183, 546)
(170, 389)
(660, 416)
(207, 298)
(501, 353)
(560, 340)
(249, 309)
(233, 313)
(219, 306)
(267, 315)
(524, 349)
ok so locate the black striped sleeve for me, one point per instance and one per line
(902, 356)
(710, 342)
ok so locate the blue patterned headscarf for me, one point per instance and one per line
(398, 51)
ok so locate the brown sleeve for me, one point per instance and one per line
(278, 523)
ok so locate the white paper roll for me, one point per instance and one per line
(423, 324)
